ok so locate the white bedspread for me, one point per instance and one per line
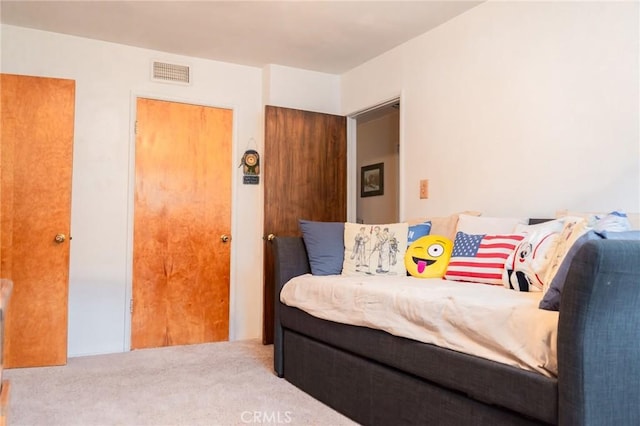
(478, 319)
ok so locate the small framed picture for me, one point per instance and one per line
(372, 180)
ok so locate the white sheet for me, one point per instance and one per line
(491, 322)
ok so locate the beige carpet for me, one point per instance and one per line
(228, 383)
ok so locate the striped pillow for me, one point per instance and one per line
(480, 258)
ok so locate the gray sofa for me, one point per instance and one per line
(375, 378)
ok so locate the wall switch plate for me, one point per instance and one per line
(424, 189)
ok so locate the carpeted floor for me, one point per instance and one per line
(227, 383)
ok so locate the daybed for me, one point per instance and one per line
(376, 378)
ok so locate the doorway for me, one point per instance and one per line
(306, 179)
(181, 224)
(378, 154)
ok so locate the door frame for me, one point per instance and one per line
(352, 166)
(126, 344)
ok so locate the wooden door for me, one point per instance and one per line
(182, 209)
(305, 177)
(37, 145)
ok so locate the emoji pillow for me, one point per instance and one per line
(428, 256)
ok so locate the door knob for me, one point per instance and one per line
(224, 238)
(60, 238)
(270, 237)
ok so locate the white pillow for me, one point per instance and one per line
(375, 249)
(528, 266)
(488, 225)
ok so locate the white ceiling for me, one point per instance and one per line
(325, 36)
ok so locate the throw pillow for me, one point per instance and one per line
(444, 225)
(418, 230)
(614, 222)
(623, 219)
(375, 249)
(325, 246)
(488, 225)
(574, 227)
(626, 235)
(480, 257)
(428, 256)
(527, 267)
(551, 299)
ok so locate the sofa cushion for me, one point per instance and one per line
(528, 265)
(324, 242)
(624, 235)
(375, 249)
(443, 225)
(418, 230)
(470, 224)
(428, 256)
(551, 299)
(480, 258)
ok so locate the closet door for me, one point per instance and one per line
(37, 144)
(182, 224)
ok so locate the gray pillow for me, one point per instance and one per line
(551, 299)
(325, 246)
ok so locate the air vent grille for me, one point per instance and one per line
(171, 73)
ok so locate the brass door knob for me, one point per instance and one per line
(60, 238)
(270, 237)
(224, 238)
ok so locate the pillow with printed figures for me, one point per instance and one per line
(527, 267)
(480, 258)
(377, 249)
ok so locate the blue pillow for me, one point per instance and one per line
(325, 246)
(418, 230)
(551, 299)
(620, 235)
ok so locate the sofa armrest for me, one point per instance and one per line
(599, 336)
(290, 260)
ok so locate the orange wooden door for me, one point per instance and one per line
(305, 177)
(182, 209)
(37, 145)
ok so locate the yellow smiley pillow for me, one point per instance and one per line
(428, 256)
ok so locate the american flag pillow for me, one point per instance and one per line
(480, 258)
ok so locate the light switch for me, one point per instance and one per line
(424, 189)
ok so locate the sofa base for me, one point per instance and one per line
(373, 394)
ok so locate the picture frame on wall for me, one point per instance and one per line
(372, 180)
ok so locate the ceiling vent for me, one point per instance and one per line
(170, 73)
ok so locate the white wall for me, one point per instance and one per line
(301, 89)
(516, 108)
(108, 78)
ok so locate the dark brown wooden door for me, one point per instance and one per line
(305, 177)
(37, 149)
(182, 211)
